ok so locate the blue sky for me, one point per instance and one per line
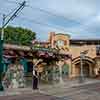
(78, 18)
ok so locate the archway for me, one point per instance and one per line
(65, 70)
(85, 69)
(88, 67)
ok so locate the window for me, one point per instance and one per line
(98, 50)
(60, 43)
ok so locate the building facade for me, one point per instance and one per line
(65, 67)
(74, 47)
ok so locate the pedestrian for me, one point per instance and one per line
(35, 79)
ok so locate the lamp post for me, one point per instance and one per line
(1, 51)
(82, 56)
(81, 79)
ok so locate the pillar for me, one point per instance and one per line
(70, 67)
(90, 70)
(73, 74)
(60, 64)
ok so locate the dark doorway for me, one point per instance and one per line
(85, 69)
(30, 66)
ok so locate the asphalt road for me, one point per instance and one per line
(86, 92)
(36, 96)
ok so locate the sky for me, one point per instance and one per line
(78, 18)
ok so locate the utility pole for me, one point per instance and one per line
(4, 23)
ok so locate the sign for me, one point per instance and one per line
(84, 52)
(44, 49)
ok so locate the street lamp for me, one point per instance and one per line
(82, 56)
(1, 51)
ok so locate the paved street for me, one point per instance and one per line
(35, 96)
(84, 92)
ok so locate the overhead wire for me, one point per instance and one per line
(47, 12)
(13, 10)
(58, 16)
(52, 14)
(10, 1)
(34, 21)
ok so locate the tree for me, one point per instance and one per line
(18, 35)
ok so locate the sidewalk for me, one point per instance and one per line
(43, 88)
(18, 91)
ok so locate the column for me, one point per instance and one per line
(60, 64)
(73, 74)
(70, 68)
(90, 70)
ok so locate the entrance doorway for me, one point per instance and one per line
(65, 70)
(86, 70)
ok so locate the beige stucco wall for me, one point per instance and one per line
(75, 50)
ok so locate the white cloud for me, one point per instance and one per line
(73, 9)
(86, 12)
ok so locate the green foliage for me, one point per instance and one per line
(18, 35)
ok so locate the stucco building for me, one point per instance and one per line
(73, 47)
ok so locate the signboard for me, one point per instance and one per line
(44, 49)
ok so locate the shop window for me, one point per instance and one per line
(98, 50)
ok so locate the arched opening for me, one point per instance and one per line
(87, 69)
(65, 70)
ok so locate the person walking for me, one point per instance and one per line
(35, 79)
